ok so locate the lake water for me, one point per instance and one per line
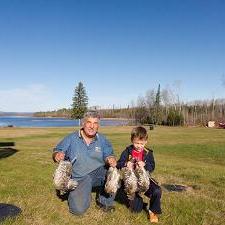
(17, 121)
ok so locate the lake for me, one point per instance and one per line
(22, 121)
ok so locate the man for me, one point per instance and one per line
(89, 153)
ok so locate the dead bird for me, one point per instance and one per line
(113, 180)
(130, 182)
(143, 179)
(62, 177)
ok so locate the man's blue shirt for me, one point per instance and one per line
(85, 158)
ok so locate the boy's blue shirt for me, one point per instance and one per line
(85, 158)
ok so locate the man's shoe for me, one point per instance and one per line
(153, 217)
(109, 209)
(105, 208)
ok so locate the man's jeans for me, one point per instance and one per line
(79, 199)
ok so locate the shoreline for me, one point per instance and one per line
(51, 117)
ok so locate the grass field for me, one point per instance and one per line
(185, 156)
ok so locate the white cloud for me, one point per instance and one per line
(31, 98)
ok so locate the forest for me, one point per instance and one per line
(159, 107)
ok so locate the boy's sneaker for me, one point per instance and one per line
(153, 217)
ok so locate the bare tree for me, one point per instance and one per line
(141, 112)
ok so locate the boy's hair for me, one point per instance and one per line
(140, 133)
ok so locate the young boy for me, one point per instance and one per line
(138, 155)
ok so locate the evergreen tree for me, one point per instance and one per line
(80, 102)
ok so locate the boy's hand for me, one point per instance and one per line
(130, 165)
(141, 164)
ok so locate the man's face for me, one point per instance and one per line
(139, 144)
(90, 126)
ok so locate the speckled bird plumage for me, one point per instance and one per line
(113, 180)
(143, 180)
(130, 182)
(62, 177)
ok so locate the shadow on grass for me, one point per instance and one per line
(61, 197)
(8, 211)
(7, 144)
(6, 152)
(178, 187)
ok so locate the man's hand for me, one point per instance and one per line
(111, 161)
(57, 156)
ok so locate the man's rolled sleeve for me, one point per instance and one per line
(62, 146)
(107, 149)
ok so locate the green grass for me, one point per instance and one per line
(186, 156)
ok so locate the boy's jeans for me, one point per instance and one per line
(154, 193)
(79, 199)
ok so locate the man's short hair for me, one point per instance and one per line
(91, 114)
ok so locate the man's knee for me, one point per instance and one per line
(77, 211)
(79, 199)
(79, 205)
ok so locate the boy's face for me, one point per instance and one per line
(139, 144)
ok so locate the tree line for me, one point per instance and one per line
(165, 108)
(159, 107)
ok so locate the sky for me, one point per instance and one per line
(119, 50)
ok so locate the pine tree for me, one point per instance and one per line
(80, 102)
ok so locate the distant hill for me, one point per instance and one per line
(16, 113)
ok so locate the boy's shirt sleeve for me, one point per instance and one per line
(150, 162)
(122, 160)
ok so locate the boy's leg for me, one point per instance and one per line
(154, 193)
(79, 199)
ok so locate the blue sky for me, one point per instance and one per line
(119, 49)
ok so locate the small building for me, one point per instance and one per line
(222, 125)
(211, 124)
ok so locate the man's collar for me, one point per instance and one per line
(79, 134)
